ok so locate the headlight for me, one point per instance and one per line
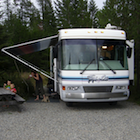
(73, 88)
(120, 87)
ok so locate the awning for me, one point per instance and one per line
(30, 47)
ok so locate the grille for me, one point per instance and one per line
(88, 89)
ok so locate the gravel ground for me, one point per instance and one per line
(56, 121)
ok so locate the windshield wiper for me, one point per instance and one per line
(87, 66)
(108, 66)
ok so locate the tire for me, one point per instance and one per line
(113, 103)
(69, 104)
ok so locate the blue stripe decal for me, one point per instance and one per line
(119, 77)
(80, 78)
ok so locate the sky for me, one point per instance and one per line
(99, 3)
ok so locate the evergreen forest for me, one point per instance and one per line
(21, 21)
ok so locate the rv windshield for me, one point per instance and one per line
(91, 54)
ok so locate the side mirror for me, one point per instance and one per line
(130, 46)
(129, 52)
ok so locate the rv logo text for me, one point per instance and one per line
(93, 78)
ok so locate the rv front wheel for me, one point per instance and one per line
(69, 104)
(113, 103)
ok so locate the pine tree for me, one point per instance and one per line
(72, 14)
(108, 14)
(135, 22)
(1, 12)
(63, 11)
(8, 8)
(93, 10)
(48, 18)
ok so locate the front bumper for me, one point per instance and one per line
(95, 97)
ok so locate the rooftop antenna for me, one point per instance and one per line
(109, 26)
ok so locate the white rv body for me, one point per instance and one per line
(92, 85)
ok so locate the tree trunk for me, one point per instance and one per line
(137, 64)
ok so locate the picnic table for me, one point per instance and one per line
(7, 97)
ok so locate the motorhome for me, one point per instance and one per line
(86, 64)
